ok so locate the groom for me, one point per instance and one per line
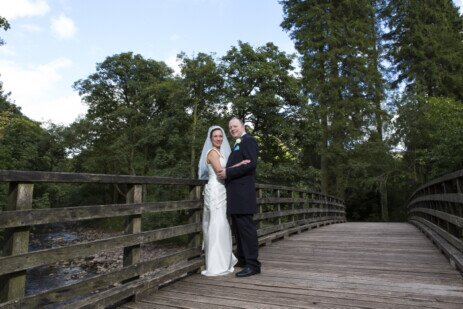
(241, 197)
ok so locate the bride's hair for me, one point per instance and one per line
(212, 131)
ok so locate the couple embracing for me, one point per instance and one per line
(230, 189)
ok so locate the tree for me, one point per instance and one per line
(340, 73)
(24, 144)
(126, 125)
(372, 168)
(425, 47)
(5, 26)
(263, 92)
(430, 130)
(203, 84)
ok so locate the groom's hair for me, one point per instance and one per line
(236, 118)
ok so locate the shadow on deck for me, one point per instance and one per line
(362, 265)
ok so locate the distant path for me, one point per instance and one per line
(362, 265)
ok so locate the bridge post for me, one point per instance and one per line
(261, 209)
(314, 204)
(133, 226)
(305, 205)
(13, 285)
(279, 206)
(195, 239)
(294, 195)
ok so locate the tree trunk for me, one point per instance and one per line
(323, 156)
(193, 142)
(383, 196)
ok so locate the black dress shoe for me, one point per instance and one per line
(247, 271)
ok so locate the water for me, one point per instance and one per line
(44, 278)
(46, 240)
(48, 277)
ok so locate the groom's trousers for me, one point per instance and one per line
(247, 244)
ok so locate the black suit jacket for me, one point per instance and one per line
(241, 180)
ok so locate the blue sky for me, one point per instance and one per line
(53, 43)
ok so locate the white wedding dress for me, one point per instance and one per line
(216, 230)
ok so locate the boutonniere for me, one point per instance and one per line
(237, 144)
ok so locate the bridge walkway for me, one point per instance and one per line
(360, 265)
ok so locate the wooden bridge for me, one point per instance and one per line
(311, 257)
(361, 265)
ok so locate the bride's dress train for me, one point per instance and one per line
(216, 230)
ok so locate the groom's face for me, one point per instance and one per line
(236, 128)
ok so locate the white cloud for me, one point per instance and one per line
(11, 9)
(174, 63)
(31, 28)
(38, 92)
(459, 3)
(63, 27)
(32, 82)
(7, 50)
(61, 110)
(174, 37)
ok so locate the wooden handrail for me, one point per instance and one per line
(54, 177)
(448, 177)
(283, 211)
(436, 208)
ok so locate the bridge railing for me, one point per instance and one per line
(436, 208)
(283, 211)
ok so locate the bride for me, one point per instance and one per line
(216, 230)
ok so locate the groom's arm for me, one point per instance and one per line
(250, 150)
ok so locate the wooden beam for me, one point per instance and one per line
(54, 215)
(33, 176)
(132, 253)
(25, 261)
(13, 285)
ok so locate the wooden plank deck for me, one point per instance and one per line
(360, 265)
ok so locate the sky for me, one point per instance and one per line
(53, 43)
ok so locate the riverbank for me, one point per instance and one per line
(62, 273)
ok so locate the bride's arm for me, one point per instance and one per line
(241, 163)
(214, 159)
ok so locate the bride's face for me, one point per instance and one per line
(217, 138)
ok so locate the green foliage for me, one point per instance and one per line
(203, 85)
(42, 202)
(24, 144)
(19, 148)
(264, 94)
(5, 25)
(129, 117)
(430, 129)
(320, 129)
(338, 42)
(425, 45)
(371, 167)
